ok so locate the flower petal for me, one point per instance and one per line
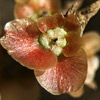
(91, 43)
(52, 6)
(93, 66)
(50, 22)
(73, 37)
(78, 93)
(60, 19)
(23, 10)
(68, 76)
(72, 24)
(74, 44)
(21, 41)
(47, 22)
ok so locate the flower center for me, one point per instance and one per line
(54, 39)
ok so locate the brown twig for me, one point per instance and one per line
(72, 9)
(85, 14)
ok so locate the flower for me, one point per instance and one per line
(36, 8)
(52, 46)
(52, 42)
(91, 44)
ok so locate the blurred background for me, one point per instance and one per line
(18, 82)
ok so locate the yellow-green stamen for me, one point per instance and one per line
(55, 40)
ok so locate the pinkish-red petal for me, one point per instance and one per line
(73, 24)
(60, 19)
(74, 44)
(23, 10)
(47, 22)
(68, 76)
(21, 41)
(51, 22)
(73, 38)
(52, 6)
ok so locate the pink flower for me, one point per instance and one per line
(36, 8)
(52, 47)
